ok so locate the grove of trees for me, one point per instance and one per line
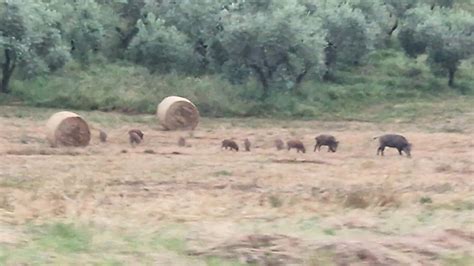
(278, 43)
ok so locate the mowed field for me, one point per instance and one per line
(160, 204)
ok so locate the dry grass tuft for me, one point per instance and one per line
(275, 201)
(443, 168)
(42, 151)
(376, 196)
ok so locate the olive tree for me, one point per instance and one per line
(159, 47)
(446, 36)
(279, 45)
(199, 20)
(87, 26)
(29, 40)
(378, 16)
(350, 37)
(397, 10)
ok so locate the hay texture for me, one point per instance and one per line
(177, 113)
(67, 129)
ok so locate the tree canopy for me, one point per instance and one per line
(277, 43)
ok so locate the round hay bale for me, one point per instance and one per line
(67, 129)
(177, 113)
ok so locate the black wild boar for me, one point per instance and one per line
(134, 138)
(326, 140)
(298, 145)
(227, 143)
(394, 141)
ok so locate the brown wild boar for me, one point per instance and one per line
(102, 136)
(298, 145)
(247, 144)
(181, 142)
(138, 132)
(326, 140)
(134, 138)
(394, 141)
(227, 143)
(279, 144)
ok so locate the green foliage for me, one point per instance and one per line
(279, 46)
(129, 89)
(378, 16)
(366, 93)
(398, 8)
(29, 40)
(445, 35)
(159, 47)
(86, 26)
(201, 25)
(285, 58)
(349, 36)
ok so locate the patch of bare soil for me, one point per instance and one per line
(259, 249)
(43, 151)
(300, 161)
(284, 250)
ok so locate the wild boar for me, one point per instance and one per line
(279, 144)
(102, 136)
(394, 141)
(138, 132)
(326, 140)
(298, 145)
(247, 144)
(181, 142)
(134, 138)
(230, 144)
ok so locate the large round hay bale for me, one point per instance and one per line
(67, 129)
(178, 113)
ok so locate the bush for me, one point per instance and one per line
(389, 78)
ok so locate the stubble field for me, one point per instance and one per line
(160, 204)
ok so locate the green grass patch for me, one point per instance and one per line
(458, 260)
(64, 238)
(329, 231)
(275, 201)
(389, 87)
(222, 173)
(216, 261)
(426, 200)
(63, 243)
(174, 244)
(458, 205)
(322, 258)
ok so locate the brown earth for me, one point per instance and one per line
(265, 206)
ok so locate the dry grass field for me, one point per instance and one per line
(160, 204)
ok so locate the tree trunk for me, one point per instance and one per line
(299, 80)
(451, 77)
(263, 79)
(7, 71)
(394, 27)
